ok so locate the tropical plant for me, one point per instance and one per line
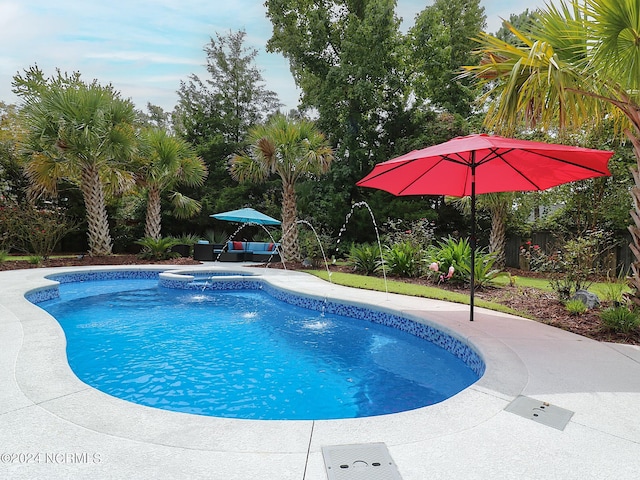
(163, 163)
(157, 248)
(576, 65)
(78, 132)
(451, 252)
(403, 259)
(216, 237)
(187, 239)
(365, 259)
(485, 269)
(292, 149)
(620, 319)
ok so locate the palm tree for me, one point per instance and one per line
(163, 163)
(291, 149)
(81, 133)
(577, 66)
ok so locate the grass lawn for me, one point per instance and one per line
(394, 286)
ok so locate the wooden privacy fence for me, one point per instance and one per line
(619, 258)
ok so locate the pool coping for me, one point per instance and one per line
(42, 378)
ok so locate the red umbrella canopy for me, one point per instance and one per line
(500, 164)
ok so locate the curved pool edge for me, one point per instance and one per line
(44, 379)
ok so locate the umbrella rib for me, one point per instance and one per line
(443, 158)
(501, 156)
(460, 160)
(495, 154)
(568, 162)
(397, 167)
(418, 177)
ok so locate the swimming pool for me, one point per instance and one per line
(130, 338)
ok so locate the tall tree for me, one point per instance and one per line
(520, 21)
(231, 100)
(346, 58)
(163, 163)
(292, 150)
(214, 113)
(579, 64)
(353, 67)
(13, 183)
(441, 43)
(79, 132)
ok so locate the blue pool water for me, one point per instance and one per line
(244, 354)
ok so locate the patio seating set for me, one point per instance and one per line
(235, 251)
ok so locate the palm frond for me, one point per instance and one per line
(183, 206)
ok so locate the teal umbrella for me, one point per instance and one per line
(246, 215)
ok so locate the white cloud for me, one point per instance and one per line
(145, 47)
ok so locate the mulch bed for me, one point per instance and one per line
(538, 305)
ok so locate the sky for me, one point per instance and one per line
(144, 48)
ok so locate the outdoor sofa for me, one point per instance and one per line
(252, 251)
(235, 251)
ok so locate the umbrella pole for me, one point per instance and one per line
(473, 233)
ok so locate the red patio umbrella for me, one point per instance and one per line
(477, 164)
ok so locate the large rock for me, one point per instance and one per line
(591, 300)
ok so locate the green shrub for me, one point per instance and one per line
(312, 247)
(614, 289)
(31, 228)
(419, 232)
(575, 307)
(35, 260)
(620, 319)
(365, 258)
(3, 256)
(157, 249)
(577, 260)
(403, 259)
(535, 259)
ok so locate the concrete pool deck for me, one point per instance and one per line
(54, 426)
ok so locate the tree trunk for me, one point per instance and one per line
(153, 222)
(98, 234)
(634, 281)
(290, 245)
(498, 237)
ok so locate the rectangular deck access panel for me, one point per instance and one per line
(365, 461)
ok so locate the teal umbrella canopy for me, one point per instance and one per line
(246, 215)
